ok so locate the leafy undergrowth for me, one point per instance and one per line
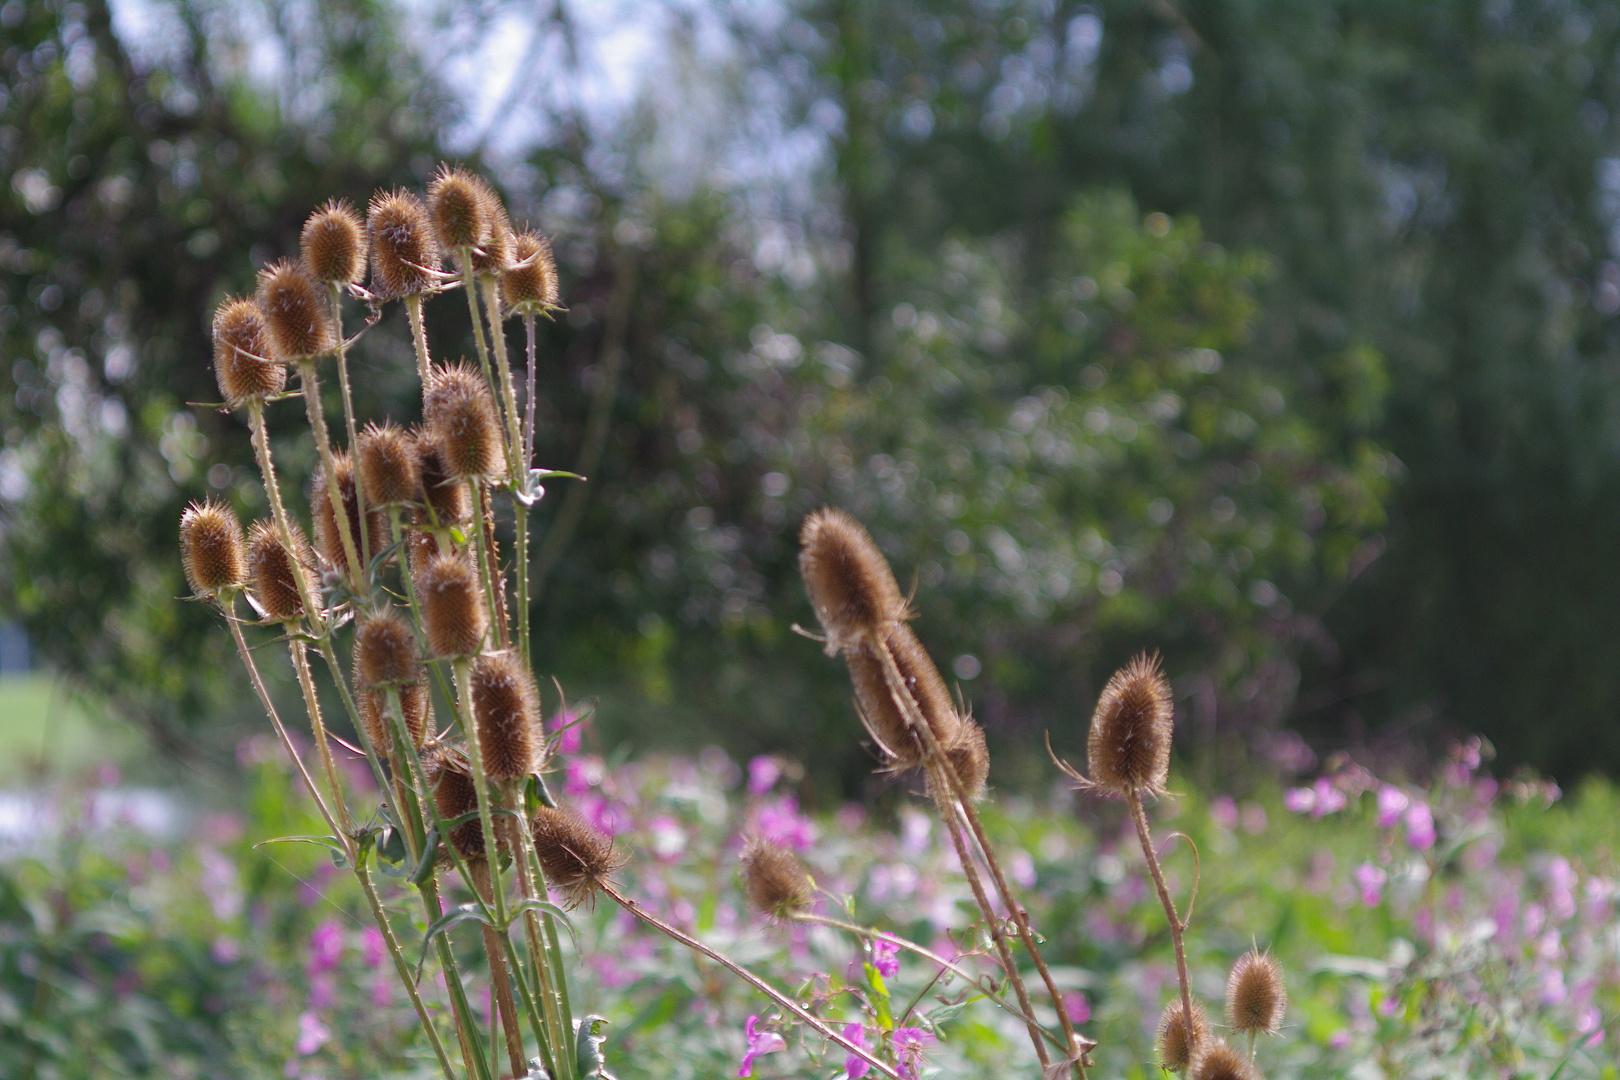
(1464, 929)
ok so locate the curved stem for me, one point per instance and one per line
(1139, 818)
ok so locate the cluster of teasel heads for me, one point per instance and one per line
(403, 549)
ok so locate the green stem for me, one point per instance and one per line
(491, 289)
(413, 308)
(323, 446)
(349, 426)
(362, 870)
(278, 512)
(1139, 818)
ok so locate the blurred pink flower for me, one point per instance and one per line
(1253, 817)
(780, 822)
(1370, 880)
(312, 1034)
(1392, 803)
(325, 947)
(909, 1044)
(763, 772)
(1329, 799)
(1077, 1006)
(1419, 821)
(855, 1066)
(1224, 813)
(372, 947)
(759, 1042)
(566, 726)
(886, 958)
(1339, 1039)
(1299, 800)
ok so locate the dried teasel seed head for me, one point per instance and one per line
(1176, 1050)
(413, 701)
(459, 208)
(275, 573)
(1215, 1059)
(1129, 746)
(576, 856)
(328, 538)
(455, 793)
(495, 253)
(385, 652)
(969, 755)
(211, 548)
(334, 244)
(1256, 995)
(404, 247)
(529, 284)
(297, 312)
(506, 708)
(390, 473)
(452, 606)
(420, 547)
(241, 350)
(774, 880)
(446, 497)
(460, 411)
(904, 747)
(849, 581)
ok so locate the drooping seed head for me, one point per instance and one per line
(274, 573)
(1176, 1050)
(413, 700)
(1216, 1060)
(458, 208)
(334, 244)
(903, 746)
(328, 537)
(385, 652)
(1129, 746)
(446, 497)
(452, 606)
(506, 708)
(297, 312)
(404, 247)
(1256, 995)
(849, 581)
(211, 548)
(576, 856)
(529, 284)
(460, 412)
(774, 879)
(241, 354)
(969, 755)
(495, 253)
(390, 473)
(455, 793)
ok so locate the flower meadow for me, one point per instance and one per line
(1478, 939)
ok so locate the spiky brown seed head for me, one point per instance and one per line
(420, 547)
(460, 411)
(774, 880)
(455, 793)
(333, 244)
(241, 354)
(506, 708)
(849, 581)
(576, 856)
(1129, 746)
(328, 538)
(385, 652)
(413, 700)
(404, 247)
(390, 473)
(274, 573)
(458, 208)
(1176, 1050)
(969, 755)
(495, 253)
(529, 284)
(1256, 995)
(452, 606)
(1215, 1059)
(297, 312)
(211, 548)
(446, 497)
(904, 747)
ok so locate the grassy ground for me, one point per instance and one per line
(46, 732)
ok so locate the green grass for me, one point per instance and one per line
(45, 731)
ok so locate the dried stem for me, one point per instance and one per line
(278, 512)
(349, 425)
(323, 446)
(323, 748)
(498, 973)
(1177, 926)
(413, 309)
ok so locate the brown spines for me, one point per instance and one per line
(452, 606)
(1129, 745)
(459, 410)
(328, 538)
(969, 755)
(1256, 995)
(529, 284)
(390, 473)
(241, 355)
(1176, 1050)
(297, 312)
(275, 573)
(413, 701)
(458, 209)
(385, 652)
(333, 244)
(774, 880)
(576, 856)
(455, 793)
(851, 587)
(404, 249)
(506, 708)
(211, 548)
(495, 253)
(903, 746)
(444, 496)
(1215, 1059)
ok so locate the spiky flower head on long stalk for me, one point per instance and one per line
(969, 755)
(441, 493)
(333, 244)
(495, 253)
(1175, 1048)
(385, 652)
(902, 745)
(576, 856)
(413, 701)
(1215, 1059)
(452, 606)
(328, 538)
(455, 793)
(506, 708)
(297, 313)
(275, 573)
(774, 880)
(211, 549)
(1256, 995)
(458, 208)
(529, 284)
(241, 354)
(390, 473)
(1129, 745)
(851, 587)
(404, 248)
(460, 412)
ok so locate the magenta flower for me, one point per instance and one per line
(856, 1066)
(1370, 880)
(312, 1034)
(1392, 803)
(1078, 1006)
(566, 726)
(1329, 799)
(909, 1043)
(373, 947)
(780, 822)
(759, 1042)
(325, 948)
(1299, 800)
(886, 958)
(1419, 822)
(763, 772)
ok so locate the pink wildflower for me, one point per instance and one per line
(856, 1066)
(325, 948)
(1392, 803)
(759, 1042)
(312, 1034)
(909, 1043)
(566, 726)
(1078, 1006)
(1370, 880)
(763, 772)
(886, 958)
(1419, 821)
(1299, 800)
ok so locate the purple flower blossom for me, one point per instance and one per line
(1419, 821)
(909, 1043)
(763, 772)
(325, 948)
(855, 1066)
(1223, 812)
(372, 947)
(886, 958)
(759, 1042)
(1299, 800)
(1392, 803)
(1339, 1039)
(1078, 1007)
(312, 1034)
(1329, 799)
(780, 822)
(1370, 880)
(566, 726)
